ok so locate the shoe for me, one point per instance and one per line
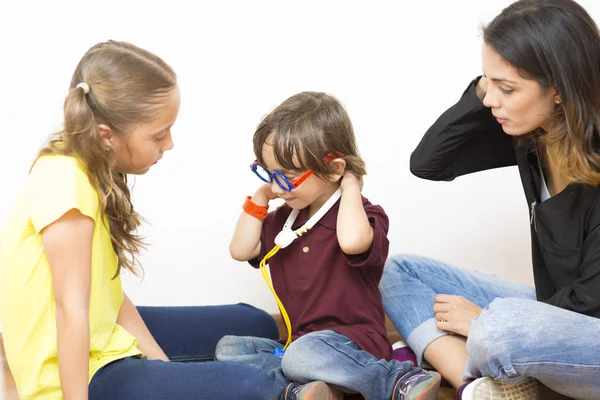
(421, 385)
(489, 389)
(312, 391)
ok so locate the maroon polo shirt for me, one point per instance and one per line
(321, 287)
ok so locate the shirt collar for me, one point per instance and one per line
(329, 220)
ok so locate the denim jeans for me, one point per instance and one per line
(318, 356)
(514, 337)
(188, 335)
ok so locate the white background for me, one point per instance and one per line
(396, 68)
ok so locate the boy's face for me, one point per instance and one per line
(314, 191)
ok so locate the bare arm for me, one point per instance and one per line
(67, 244)
(354, 232)
(245, 244)
(130, 319)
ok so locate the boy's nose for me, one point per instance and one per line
(275, 188)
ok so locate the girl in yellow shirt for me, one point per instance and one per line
(69, 330)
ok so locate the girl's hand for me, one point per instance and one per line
(455, 313)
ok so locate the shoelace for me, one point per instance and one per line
(292, 391)
(411, 382)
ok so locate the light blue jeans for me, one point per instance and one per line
(514, 337)
(319, 356)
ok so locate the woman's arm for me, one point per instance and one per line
(245, 244)
(130, 319)
(465, 139)
(67, 244)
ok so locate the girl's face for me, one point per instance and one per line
(145, 145)
(520, 105)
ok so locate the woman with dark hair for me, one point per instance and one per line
(536, 106)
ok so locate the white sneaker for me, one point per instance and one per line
(489, 389)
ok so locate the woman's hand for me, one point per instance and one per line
(481, 88)
(455, 313)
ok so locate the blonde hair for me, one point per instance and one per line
(304, 129)
(126, 85)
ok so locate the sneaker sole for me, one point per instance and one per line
(426, 390)
(490, 389)
(319, 391)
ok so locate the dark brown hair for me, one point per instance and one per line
(557, 44)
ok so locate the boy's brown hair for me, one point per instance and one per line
(304, 129)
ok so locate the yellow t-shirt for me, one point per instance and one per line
(55, 185)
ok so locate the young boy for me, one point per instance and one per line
(327, 278)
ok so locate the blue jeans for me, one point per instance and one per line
(514, 337)
(188, 335)
(318, 356)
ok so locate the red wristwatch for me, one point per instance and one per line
(255, 210)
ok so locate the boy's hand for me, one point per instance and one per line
(266, 189)
(263, 195)
(349, 180)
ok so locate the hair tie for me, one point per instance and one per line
(84, 86)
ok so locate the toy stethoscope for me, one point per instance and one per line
(284, 239)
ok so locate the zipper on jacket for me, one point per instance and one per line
(532, 222)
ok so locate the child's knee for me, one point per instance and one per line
(229, 346)
(298, 360)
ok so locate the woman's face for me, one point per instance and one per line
(520, 105)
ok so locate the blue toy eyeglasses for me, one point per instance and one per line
(283, 182)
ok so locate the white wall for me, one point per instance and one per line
(396, 68)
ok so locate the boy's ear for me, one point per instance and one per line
(339, 165)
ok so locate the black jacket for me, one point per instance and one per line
(565, 233)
